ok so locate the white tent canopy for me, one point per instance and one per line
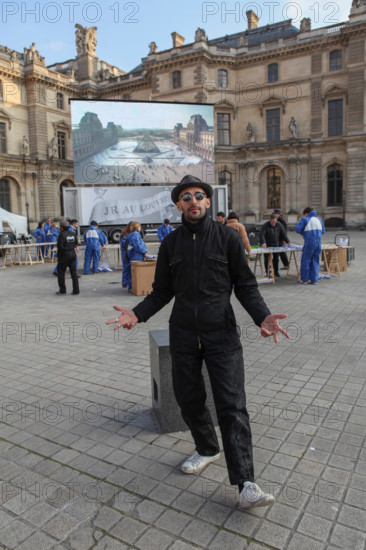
(18, 224)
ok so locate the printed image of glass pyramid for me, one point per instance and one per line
(146, 145)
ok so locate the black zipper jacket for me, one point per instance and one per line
(66, 243)
(273, 235)
(199, 269)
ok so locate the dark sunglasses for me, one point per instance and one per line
(198, 195)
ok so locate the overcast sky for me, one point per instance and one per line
(125, 28)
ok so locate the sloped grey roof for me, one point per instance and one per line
(137, 69)
(267, 33)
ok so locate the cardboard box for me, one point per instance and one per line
(341, 254)
(143, 274)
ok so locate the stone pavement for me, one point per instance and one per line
(82, 462)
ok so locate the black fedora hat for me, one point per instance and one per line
(190, 181)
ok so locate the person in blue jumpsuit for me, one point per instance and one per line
(47, 224)
(92, 248)
(311, 227)
(51, 237)
(164, 230)
(40, 237)
(136, 249)
(126, 264)
(102, 236)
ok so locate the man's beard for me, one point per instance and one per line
(195, 217)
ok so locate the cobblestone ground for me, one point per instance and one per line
(82, 462)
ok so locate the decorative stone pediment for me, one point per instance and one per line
(334, 91)
(61, 126)
(226, 106)
(273, 103)
(4, 116)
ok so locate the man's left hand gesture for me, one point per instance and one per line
(270, 326)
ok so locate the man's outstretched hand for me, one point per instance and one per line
(270, 326)
(126, 319)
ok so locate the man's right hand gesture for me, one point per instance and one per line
(127, 319)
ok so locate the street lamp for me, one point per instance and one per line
(27, 209)
(344, 193)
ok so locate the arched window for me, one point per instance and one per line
(5, 194)
(225, 178)
(273, 72)
(273, 188)
(177, 79)
(222, 78)
(335, 60)
(335, 185)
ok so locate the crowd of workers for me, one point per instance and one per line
(49, 231)
(273, 233)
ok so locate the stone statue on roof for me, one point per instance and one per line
(243, 41)
(31, 54)
(305, 24)
(152, 48)
(200, 35)
(86, 39)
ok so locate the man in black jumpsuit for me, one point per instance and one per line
(66, 257)
(198, 264)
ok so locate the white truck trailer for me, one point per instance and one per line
(114, 206)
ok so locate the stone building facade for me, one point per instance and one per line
(289, 107)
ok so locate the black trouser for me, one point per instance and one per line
(284, 258)
(223, 354)
(67, 260)
(274, 261)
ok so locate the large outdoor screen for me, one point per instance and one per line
(139, 142)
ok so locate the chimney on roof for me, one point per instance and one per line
(178, 39)
(252, 20)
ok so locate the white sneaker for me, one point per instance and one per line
(195, 463)
(252, 496)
